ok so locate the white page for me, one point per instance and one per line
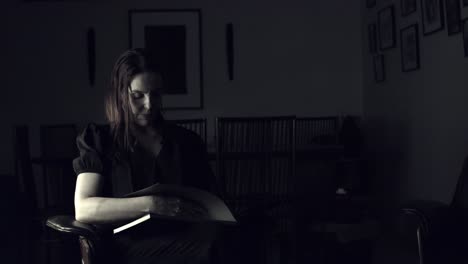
(216, 208)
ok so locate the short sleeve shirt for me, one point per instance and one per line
(182, 160)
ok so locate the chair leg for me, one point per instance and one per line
(420, 246)
(86, 251)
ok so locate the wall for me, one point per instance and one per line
(417, 121)
(302, 58)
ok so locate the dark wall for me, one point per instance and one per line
(417, 121)
(302, 58)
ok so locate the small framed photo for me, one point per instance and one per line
(465, 36)
(174, 38)
(409, 38)
(407, 7)
(386, 21)
(370, 3)
(432, 16)
(453, 11)
(372, 34)
(379, 68)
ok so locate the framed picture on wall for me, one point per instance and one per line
(370, 3)
(465, 36)
(407, 7)
(174, 39)
(409, 38)
(453, 11)
(372, 35)
(386, 22)
(432, 16)
(379, 68)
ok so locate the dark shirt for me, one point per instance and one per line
(182, 160)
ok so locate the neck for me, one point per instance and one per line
(147, 131)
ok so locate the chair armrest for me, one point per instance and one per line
(68, 224)
(441, 238)
(433, 218)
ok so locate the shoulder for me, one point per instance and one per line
(96, 131)
(94, 136)
(181, 135)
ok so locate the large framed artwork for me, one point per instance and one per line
(409, 48)
(386, 22)
(370, 3)
(453, 11)
(407, 7)
(432, 15)
(174, 38)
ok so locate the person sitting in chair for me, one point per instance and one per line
(135, 150)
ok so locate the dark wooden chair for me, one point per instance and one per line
(58, 149)
(24, 175)
(23, 166)
(439, 229)
(13, 220)
(45, 192)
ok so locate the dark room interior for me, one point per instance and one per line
(337, 131)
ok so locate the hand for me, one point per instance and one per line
(164, 205)
(191, 209)
(175, 206)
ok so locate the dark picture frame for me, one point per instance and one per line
(372, 35)
(465, 36)
(174, 36)
(386, 24)
(432, 15)
(230, 50)
(407, 7)
(379, 68)
(409, 38)
(370, 3)
(453, 13)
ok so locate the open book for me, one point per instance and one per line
(216, 209)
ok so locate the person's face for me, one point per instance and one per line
(144, 97)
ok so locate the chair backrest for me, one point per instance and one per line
(197, 125)
(58, 141)
(255, 156)
(460, 198)
(23, 166)
(58, 148)
(317, 130)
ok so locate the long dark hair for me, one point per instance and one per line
(118, 112)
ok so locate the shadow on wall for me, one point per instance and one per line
(387, 143)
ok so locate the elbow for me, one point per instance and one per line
(80, 217)
(82, 213)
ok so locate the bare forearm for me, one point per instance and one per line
(99, 210)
